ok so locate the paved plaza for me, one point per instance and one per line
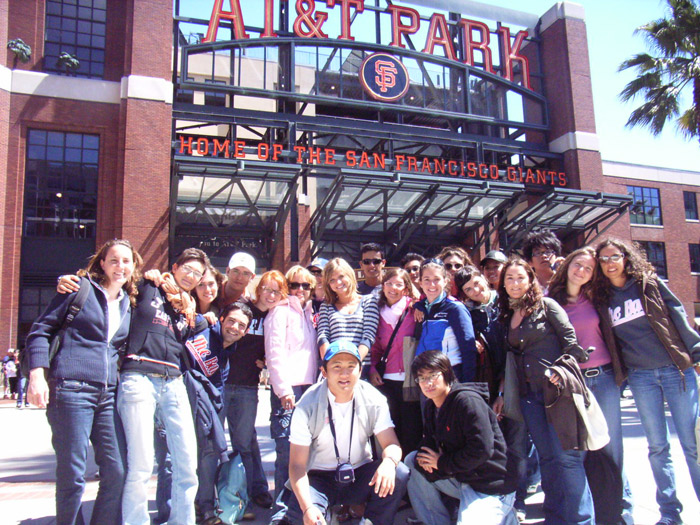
(27, 470)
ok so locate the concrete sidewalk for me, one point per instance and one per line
(27, 467)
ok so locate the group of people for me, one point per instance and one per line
(400, 384)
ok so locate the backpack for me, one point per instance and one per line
(74, 306)
(232, 489)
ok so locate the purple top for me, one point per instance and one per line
(584, 318)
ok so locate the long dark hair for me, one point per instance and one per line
(557, 286)
(532, 299)
(97, 274)
(636, 267)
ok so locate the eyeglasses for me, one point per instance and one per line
(605, 259)
(270, 291)
(422, 380)
(375, 262)
(194, 273)
(296, 286)
(543, 253)
(413, 269)
(453, 266)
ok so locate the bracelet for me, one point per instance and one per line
(500, 394)
(307, 510)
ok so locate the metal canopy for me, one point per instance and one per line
(397, 209)
(228, 198)
(567, 212)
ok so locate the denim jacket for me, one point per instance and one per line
(543, 336)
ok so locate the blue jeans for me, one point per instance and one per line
(241, 409)
(650, 388)
(326, 492)
(567, 498)
(474, 507)
(140, 398)
(165, 473)
(80, 412)
(607, 394)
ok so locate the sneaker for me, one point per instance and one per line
(248, 515)
(19, 405)
(521, 514)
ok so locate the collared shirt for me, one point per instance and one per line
(325, 459)
(114, 317)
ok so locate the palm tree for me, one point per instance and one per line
(662, 79)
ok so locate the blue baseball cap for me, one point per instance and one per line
(341, 346)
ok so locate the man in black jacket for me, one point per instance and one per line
(463, 453)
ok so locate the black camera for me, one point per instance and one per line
(344, 474)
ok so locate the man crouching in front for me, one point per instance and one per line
(463, 453)
(330, 459)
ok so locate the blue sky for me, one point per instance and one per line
(610, 26)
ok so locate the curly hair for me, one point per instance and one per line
(636, 267)
(97, 274)
(456, 251)
(532, 299)
(557, 286)
(543, 238)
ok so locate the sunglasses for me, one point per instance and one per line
(604, 259)
(375, 262)
(296, 286)
(316, 272)
(453, 266)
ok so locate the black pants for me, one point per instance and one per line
(405, 415)
(326, 492)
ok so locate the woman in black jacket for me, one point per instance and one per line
(151, 382)
(538, 331)
(82, 381)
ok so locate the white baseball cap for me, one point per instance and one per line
(243, 259)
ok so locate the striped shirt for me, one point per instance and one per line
(360, 327)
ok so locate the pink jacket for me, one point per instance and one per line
(290, 346)
(394, 363)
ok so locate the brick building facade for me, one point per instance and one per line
(121, 117)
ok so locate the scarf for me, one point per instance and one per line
(180, 300)
(519, 304)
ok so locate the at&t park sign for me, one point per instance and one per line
(405, 21)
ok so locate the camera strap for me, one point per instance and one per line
(352, 422)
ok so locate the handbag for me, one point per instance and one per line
(411, 390)
(511, 390)
(380, 367)
(593, 419)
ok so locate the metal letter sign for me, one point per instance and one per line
(384, 77)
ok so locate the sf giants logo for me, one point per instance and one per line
(384, 77)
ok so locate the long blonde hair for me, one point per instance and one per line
(338, 265)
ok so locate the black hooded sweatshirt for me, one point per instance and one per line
(465, 430)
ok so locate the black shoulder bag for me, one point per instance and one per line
(76, 304)
(381, 365)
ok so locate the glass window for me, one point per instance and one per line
(646, 205)
(60, 192)
(690, 202)
(694, 250)
(656, 254)
(79, 31)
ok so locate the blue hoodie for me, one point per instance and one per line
(447, 327)
(207, 352)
